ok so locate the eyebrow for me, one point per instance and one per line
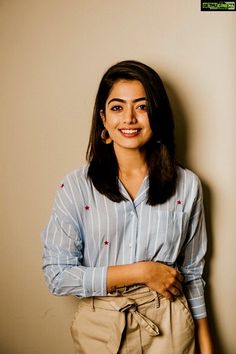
(123, 101)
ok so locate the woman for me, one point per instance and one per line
(127, 232)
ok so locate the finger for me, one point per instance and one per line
(180, 276)
(175, 291)
(178, 285)
(167, 295)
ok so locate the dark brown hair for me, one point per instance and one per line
(160, 150)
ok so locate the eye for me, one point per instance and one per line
(116, 108)
(142, 107)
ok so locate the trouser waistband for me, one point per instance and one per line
(127, 302)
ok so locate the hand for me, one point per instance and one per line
(166, 280)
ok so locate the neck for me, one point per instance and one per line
(131, 161)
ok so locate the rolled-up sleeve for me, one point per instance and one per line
(191, 259)
(62, 239)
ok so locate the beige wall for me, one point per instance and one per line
(53, 53)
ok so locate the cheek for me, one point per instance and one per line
(144, 120)
(111, 123)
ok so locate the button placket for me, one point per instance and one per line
(134, 234)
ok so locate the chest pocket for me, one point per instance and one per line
(167, 235)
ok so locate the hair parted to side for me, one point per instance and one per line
(160, 150)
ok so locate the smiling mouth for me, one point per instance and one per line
(130, 132)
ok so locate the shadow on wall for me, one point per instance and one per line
(182, 143)
(208, 204)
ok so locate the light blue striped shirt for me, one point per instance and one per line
(87, 232)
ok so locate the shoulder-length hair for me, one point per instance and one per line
(160, 150)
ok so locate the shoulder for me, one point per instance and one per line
(70, 194)
(73, 182)
(189, 180)
(77, 175)
(184, 174)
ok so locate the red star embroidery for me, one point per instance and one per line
(62, 185)
(179, 202)
(106, 243)
(86, 207)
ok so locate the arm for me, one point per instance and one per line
(62, 262)
(158, 276)
(63, 250)
(191, 264)
(203, 336)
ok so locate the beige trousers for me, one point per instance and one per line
(136, 322)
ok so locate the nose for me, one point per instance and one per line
(130, 116)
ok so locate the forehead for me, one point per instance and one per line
(126, 89)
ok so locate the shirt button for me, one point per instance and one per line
(130, 244)
(132, 212)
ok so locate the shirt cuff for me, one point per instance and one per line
(197, 307)
(95, 281)
(194, 292)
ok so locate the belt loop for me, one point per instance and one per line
(92, 304)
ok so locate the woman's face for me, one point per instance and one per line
(125, 117)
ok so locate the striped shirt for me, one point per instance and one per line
(87, 232)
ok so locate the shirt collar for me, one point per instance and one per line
(141, 195)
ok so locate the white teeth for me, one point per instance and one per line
(129, 131)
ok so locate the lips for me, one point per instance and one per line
(130, 132)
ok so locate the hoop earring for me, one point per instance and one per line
(106, 137)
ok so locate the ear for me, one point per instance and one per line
(102, 115)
